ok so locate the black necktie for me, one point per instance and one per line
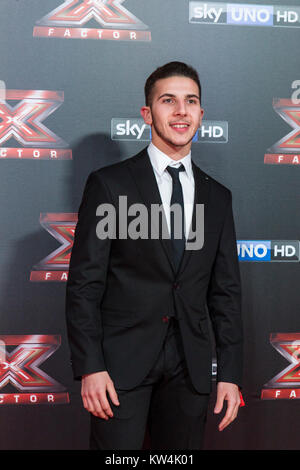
(177, 198)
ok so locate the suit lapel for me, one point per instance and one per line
(202, 187)
(144, 178)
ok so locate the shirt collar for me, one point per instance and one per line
(160, 161)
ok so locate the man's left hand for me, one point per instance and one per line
(229, 392)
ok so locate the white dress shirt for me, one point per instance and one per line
(159, 162)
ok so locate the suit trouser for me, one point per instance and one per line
(166, 401)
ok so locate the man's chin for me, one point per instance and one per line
(181, 144)
(175, 143)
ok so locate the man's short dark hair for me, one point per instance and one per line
(171, 69)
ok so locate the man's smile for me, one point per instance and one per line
(180, 127)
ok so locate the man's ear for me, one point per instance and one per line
(146, 114)
(202, 113)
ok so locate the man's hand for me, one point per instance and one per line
(93, 393)
(230, 393)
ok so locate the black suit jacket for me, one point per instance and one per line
(119, 291)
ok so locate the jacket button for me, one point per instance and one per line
(176, 285)
(165, 319)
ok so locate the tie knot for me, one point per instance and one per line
(174, 172)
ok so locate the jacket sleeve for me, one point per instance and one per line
(224, 304)
(86, 282)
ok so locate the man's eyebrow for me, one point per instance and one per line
(166, 94)
(193, 96)
(174, 96)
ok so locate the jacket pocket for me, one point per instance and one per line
(118, 317)
(198, 313)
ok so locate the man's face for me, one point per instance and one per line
(174, 115)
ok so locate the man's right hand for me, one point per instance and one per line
(93, 393)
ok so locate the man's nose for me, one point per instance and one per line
(180, 107)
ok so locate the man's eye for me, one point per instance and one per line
(168, 100)
(191, 101)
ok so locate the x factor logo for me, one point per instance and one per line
(287, 149)
(20, 359)
(23, 122)
(115, 21)
(55, 266)
(286, 384)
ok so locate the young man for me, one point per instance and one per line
(137, 307)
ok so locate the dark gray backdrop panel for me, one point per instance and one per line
(241, 69)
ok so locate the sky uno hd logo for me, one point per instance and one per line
(136, 129)
(244, 14)
(268, 250)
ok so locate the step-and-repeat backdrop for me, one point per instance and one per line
(72, 76)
